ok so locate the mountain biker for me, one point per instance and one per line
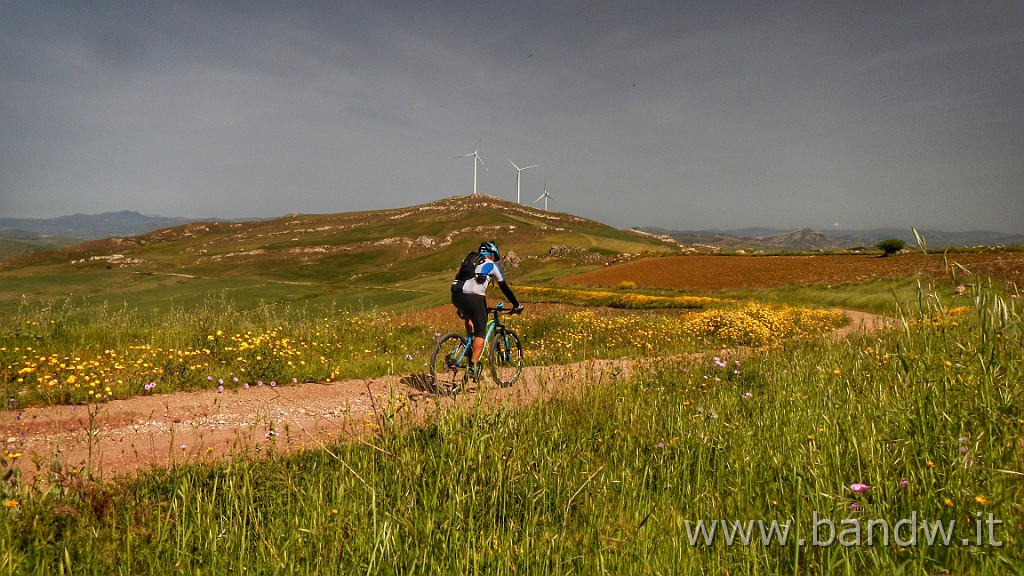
(469, 298)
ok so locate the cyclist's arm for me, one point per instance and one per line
(494, 271)
(507, 291)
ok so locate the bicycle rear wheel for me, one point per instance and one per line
(447, 363)
(506, 357)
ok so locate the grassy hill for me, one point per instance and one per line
(15, 242)
(400, 258)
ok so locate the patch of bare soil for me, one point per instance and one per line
(123, 437)
(704, 273)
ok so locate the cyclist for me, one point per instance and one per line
(469, 297)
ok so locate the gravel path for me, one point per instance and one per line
(124, 437)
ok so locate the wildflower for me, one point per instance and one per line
(408, 357)
(948, 502)
(220, 389)
(904, 482)
(859, 488)
(930, 464)
(854, 506)
(661, 444)
(245, 386)
(11, 504)
(748, 395)
(981, 499)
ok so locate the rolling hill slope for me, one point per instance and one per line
(399, 257)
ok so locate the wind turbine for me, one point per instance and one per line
(519, 172)
(476, 158)
(545, 195)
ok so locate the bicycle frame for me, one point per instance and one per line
(492, 326)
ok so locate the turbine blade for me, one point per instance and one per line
(528, 167)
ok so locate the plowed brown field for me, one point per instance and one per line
(752, 272)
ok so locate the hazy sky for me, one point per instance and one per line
(684, 115)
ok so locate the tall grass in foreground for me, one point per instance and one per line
(840, 439)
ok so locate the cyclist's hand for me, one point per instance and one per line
(518, 309)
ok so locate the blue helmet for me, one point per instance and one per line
(489, 248)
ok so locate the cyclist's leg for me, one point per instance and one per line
(462, 308)
(476, 306)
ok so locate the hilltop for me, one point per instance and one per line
(386, 257)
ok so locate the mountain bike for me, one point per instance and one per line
(449, 363)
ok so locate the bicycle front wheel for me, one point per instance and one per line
(506, 357)
(447, 363)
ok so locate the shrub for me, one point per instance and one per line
(891, 246)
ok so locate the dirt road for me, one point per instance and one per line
(123, 437)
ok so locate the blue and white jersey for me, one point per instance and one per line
(485, 272)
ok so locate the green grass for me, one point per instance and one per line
(878, 297)
(611, 478)
(75, 351)
(606, 479)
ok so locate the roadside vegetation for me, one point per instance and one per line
(921, 423)
(68, 353)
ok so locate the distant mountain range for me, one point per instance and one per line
(87, 226)
(21, 235)
(808, 239)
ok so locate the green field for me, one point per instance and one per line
(898, 451)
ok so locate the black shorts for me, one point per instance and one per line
(471, 307)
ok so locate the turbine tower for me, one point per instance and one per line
(519, 172)
(545, 195)
(476, 158)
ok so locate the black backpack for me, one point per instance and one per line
(467, 269)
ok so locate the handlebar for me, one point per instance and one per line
(500, 309)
